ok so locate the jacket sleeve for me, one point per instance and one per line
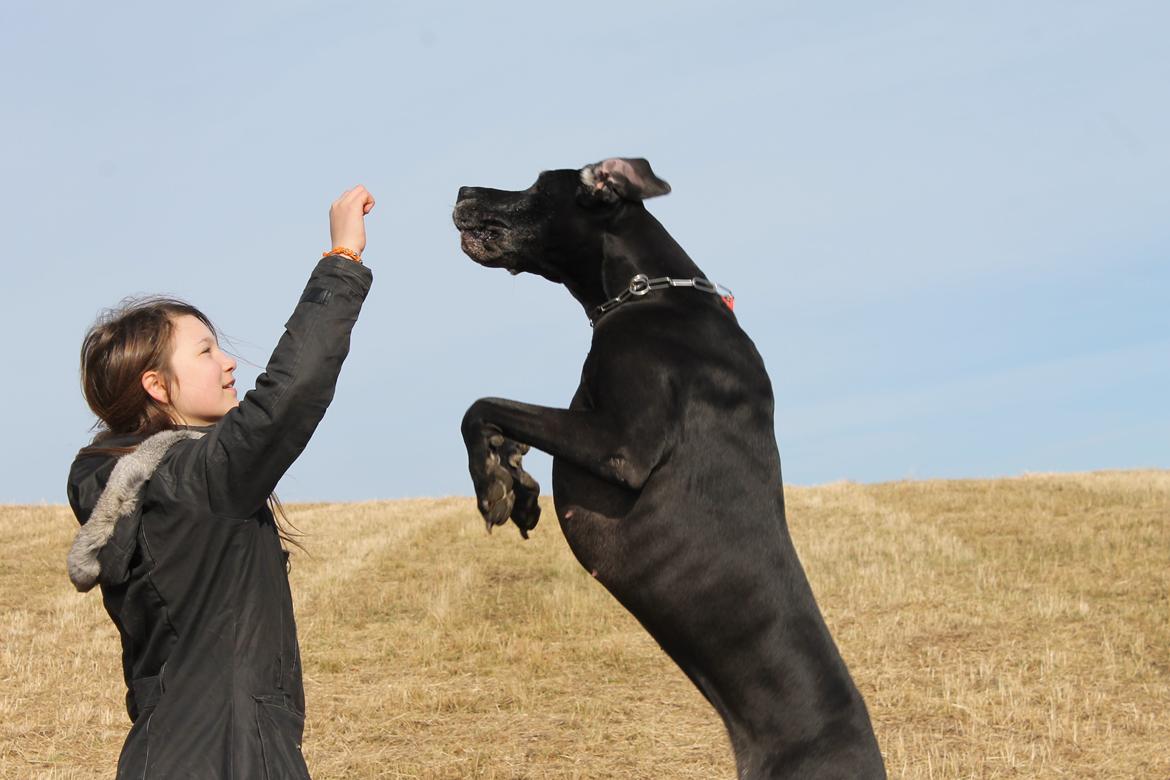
(251, 447)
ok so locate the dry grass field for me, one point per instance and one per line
(1007, 628)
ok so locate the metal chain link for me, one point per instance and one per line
(642, 284)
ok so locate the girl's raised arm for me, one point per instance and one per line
(252, 446)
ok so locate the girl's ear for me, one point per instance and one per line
(155, 387)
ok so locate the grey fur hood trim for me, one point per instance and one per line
(119, 500)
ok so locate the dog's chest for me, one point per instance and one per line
(591, 512)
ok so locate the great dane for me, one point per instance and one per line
(666, 475)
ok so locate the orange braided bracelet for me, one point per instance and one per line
(340, 250)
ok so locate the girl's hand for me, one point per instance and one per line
(347, 223)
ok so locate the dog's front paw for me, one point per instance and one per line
(525, 509)
(493, 484)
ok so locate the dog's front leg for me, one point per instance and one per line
(619, 451)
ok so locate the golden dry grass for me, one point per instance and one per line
(1004, 628)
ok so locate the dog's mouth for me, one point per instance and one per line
(483, 239)
(489, 231)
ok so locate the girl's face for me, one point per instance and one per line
(204, 388)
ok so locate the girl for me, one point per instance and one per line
(172, 496)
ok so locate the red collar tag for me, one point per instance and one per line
(729, 301)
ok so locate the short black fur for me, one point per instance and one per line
(666, 474)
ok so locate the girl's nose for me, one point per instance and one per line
(230, 365)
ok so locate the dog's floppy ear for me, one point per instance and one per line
(625, 178)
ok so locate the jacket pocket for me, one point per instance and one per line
(280, 729)
(142, 696)
(140, 701)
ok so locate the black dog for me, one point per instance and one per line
(666, 476)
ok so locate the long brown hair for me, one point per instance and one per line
(123, 344)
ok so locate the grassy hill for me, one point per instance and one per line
(1002, 628)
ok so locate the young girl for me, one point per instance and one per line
(172, 496)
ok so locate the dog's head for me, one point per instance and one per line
(555, 227)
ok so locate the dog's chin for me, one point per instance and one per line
(485, 251)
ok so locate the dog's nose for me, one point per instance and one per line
(465, 192)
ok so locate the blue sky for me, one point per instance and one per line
(945, 223)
